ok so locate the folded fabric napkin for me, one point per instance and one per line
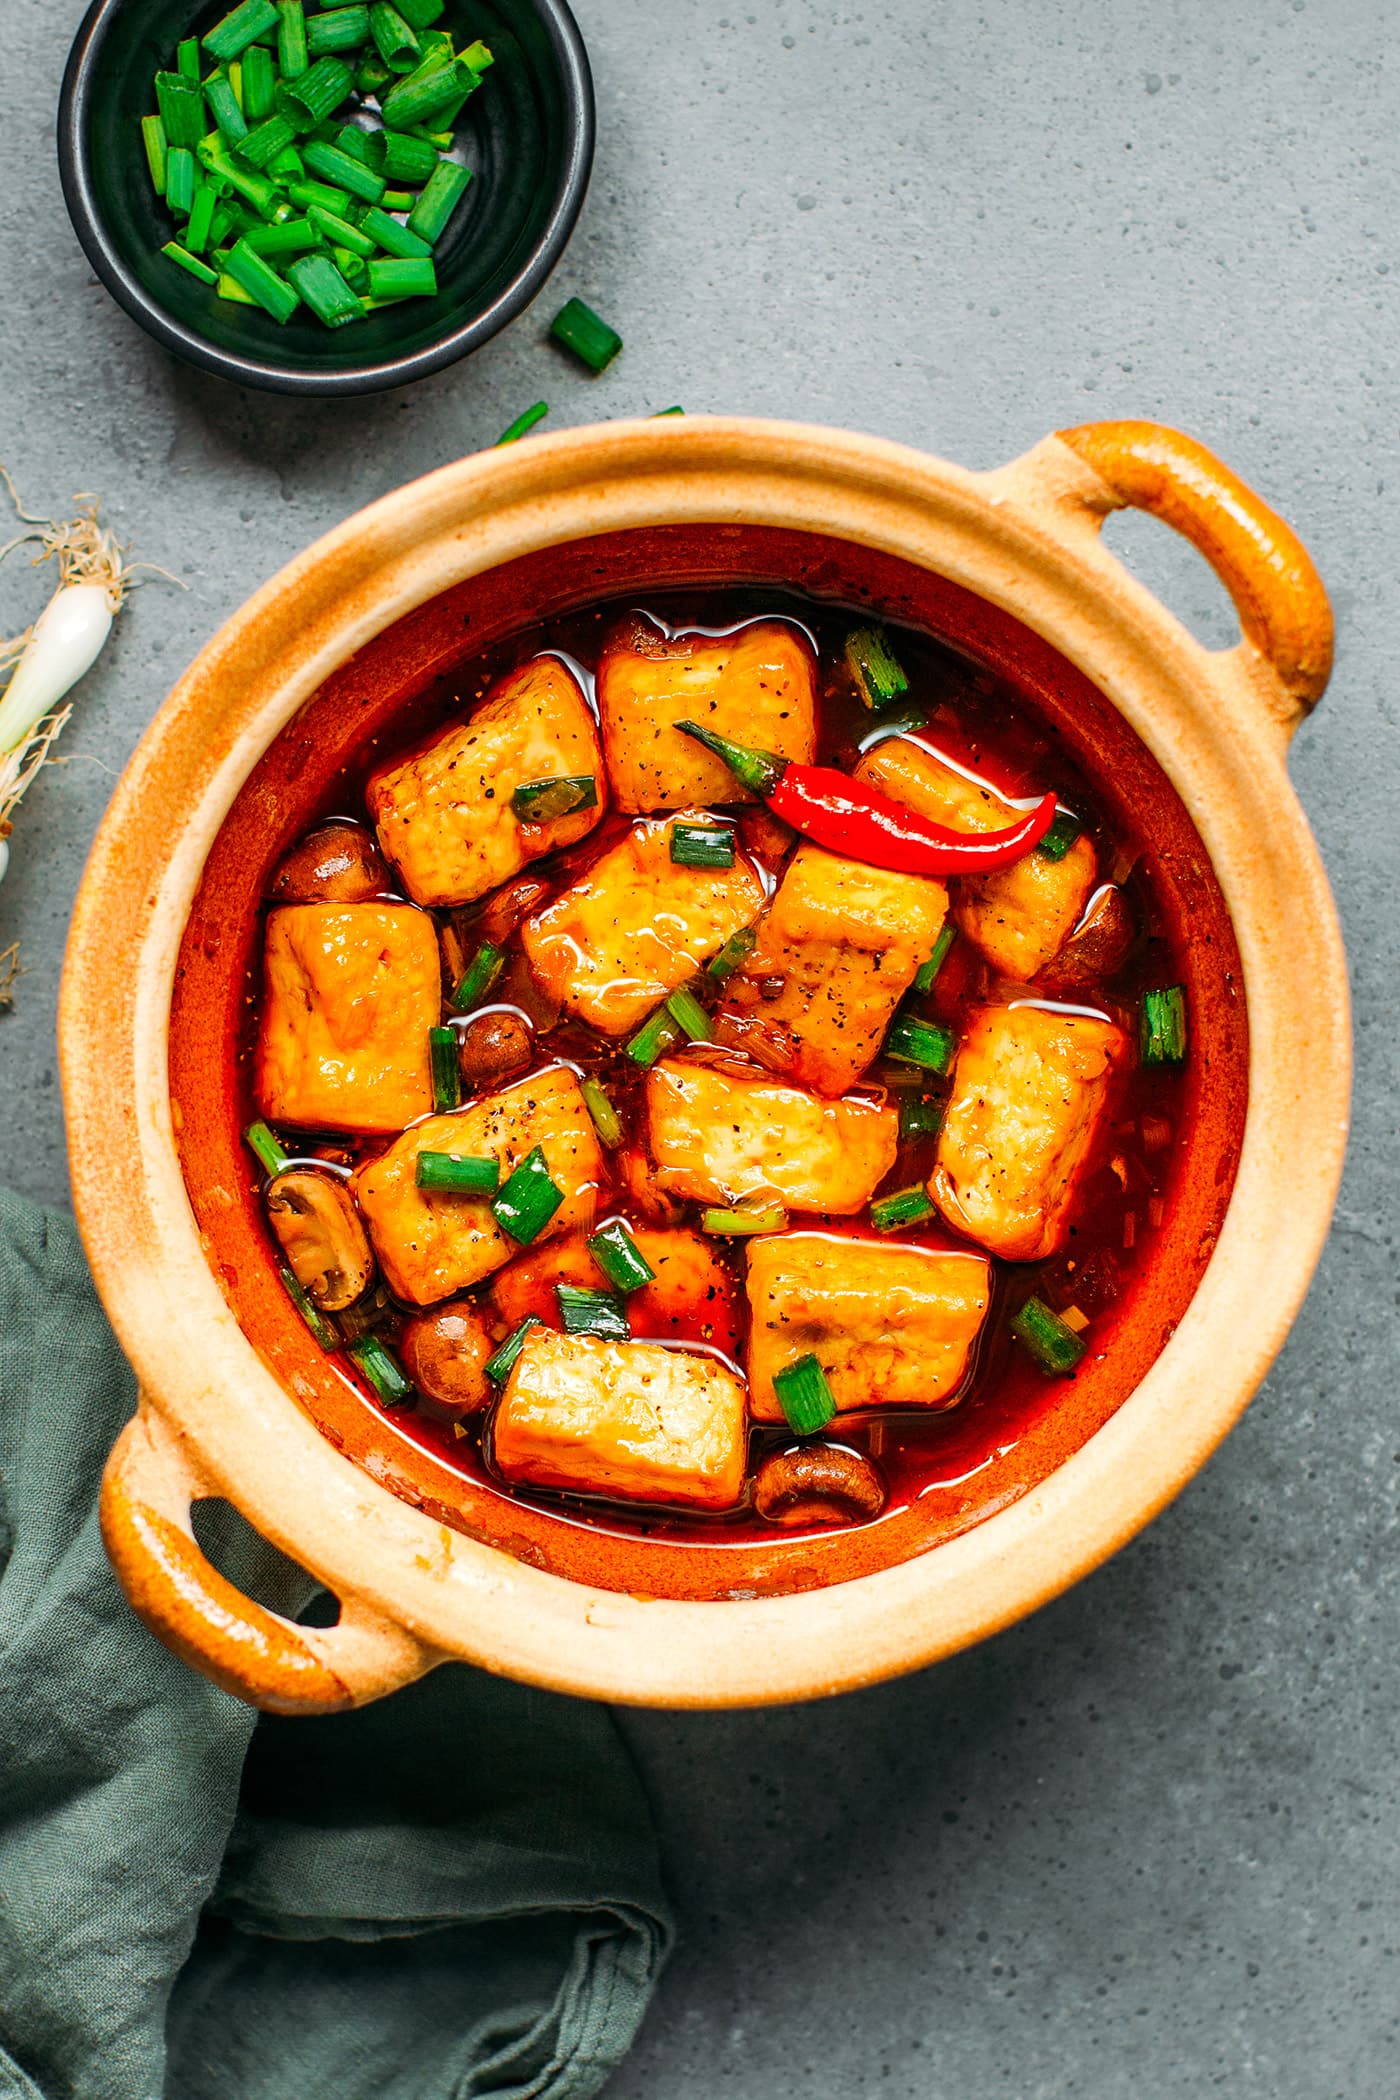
(455, 1892)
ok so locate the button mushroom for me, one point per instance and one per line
(817, 1484)
(445, 1353)
(319, 1229)
(335, 864)
(493, 1047)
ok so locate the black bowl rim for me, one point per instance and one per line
(75, 175)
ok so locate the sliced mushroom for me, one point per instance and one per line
(335, 864)
(493, 1047)
(510, 907)
(1099, 944)
(445, 1353)
(318, 1226)
(817, 1484)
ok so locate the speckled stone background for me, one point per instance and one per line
(1146, 1843)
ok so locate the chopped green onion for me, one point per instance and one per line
(351, 268)
(927, 972)
(429, 91)
(702, 845)
(338, 29)
(1162, 1028)
(666, 412)
(201, 219)
(878, 674)
(407, 159)
(899, 721)
(742, 1221)
(499, 1367)
(372, 76)
(319, 196)
(181, 106)
(292, 55)
(343, 170)
(383, 1370)
(286, 166)
(240, 29)
(916, 1042)
(226, 109)
(1054, 1345)
(804, 1396)
(480, 975)
(733, 955)
(606, 1120)
(324, 289)
(393, 238)
(289, 237)
(421, 14)
(592, 1312)
(190, 263)
(543, 801)
(920, 1117)
(393, 38)
(579, 329)
(340, 233)
(153, 139)
(263, 194)
(903, 1207)
(654, 1038)
(523, 423)
(179, 180)
(620, 1258)
(685, 1008)
(187, 60)
(1060, 837)
(267, 141)
(321, 89)
(228, 288)
(262, 283)
(447, 1073)
(259, 82)
(456, 1174)
(400, 279)
(367, 147)
(442, 193)
(326, 1332)
(268, 1149)
(528, 1199)
(397, 200)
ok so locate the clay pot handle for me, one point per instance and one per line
(147, 1491)
(1260, 560)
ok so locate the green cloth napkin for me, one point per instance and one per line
(454, 1892)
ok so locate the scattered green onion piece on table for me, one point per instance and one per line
(927, 972)
(240, 29)
(528, 1200)
(1054, 1345)
(456, 1175)
(523, 423)
(902, 1207)
(325, 290)
(924, 1043)
(181, 106)
(187, 60)
(426, 93)
(262, 283)
(291, 237)
(544, 801)
(878, 674)
(225, 109)
(190, 263)
(590, 338)
(394, 239)
(179, 181)
(394, 38)
(327, 1334)
(733, 955)
(408, 159)
(593, 1312)
(153, 139)
(267, 1148)
(742, 1221)
(348, 174)
(606, 1120)
(340, 233)
(920, 1117)
(804, 1396)
(447, 1075)
(266, 140)
(1060, 837)
(479, 976)
(1162, 1028)
(442, 193)
(655, 1036)
(340, 29)
(421, 14)
(620, 1258)
(321, 89)
(702, 845)
(383, 1370)
(499, 1367)
(685, 1008)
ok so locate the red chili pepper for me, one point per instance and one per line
(833, 810)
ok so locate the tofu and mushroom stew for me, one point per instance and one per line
(727, 1042)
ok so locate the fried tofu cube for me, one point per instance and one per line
(891, 1325)
(350, 992)
(721, 1136)
(756, 686)
(635, 927)
(633, 1420)
(837, 950)
(691, 1297)
(444, 816)
(1019, 916)
(1029, 1090)
(431, 1245)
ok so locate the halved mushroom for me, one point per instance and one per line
(445, 1353)
(334, 864)
(319, 1229)
(817, 1484)
(1099, 944)
(494, 1047)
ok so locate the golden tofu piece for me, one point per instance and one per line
(349, 994)
(1029, 1089)
(444, 816)
(837, 950)
(722, 1137)
(1018, 916)
(432, 1245)
(756, 686)
(891, 1325)
(636, 926)
(634, 1420)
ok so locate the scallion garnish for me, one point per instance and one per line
(542, 801)
(902, 1207)
(804, 1396)
(442, 193)
(402, 278)
(327, 1334)
(190, 263)
(606, 1120)
(620, 1258)
(324, 289)
(1162, 1026)
(333, 165)
(685, 1009)
(579, 329)
(528, 1199)
(1060, 837)
(259, 83)
(266, 1147)
(181, 106)
(457, 1174)
(743, 1220)
(153, 138)
(1055, 1346)
(702, 845)
(925, 1043)
(407, 159)
(593, 1312)
(478, 977)
(393, 238)
(292, 55)
(310, 98)
(734, 954)
(879, 676)
(394, 39)
(927, 972)
(655, 1036)
(240, 28)
(920, 1117)
(499, 1367)
(336, 29)
(447, 1073)
(383, 1370)
(262, 283)
(523, 423)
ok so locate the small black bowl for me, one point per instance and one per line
(527, 135)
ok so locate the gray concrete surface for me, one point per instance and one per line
(1146, 1843)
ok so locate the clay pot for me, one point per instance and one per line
(1188, 743)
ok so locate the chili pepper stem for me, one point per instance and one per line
(759, 771)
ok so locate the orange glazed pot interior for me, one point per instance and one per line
(989, 1454)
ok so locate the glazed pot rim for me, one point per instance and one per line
(1024, 537)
